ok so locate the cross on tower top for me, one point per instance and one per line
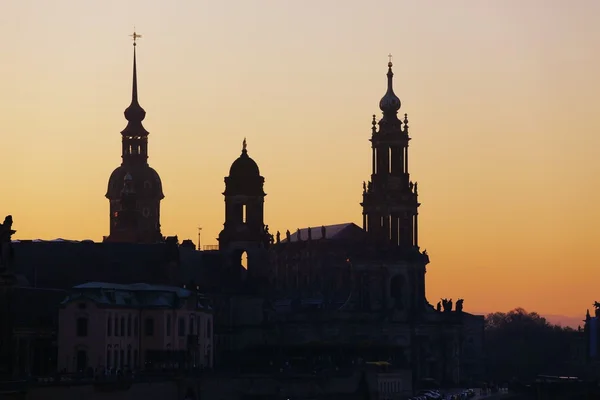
(390, 59)
(135, 36)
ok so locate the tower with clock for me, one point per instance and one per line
(134, 188)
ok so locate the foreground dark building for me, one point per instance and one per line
(317, 299)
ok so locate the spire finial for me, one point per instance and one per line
(135, 36)
(390, 103)
(244, 145)
(135, 113)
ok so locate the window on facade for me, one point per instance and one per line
(135, 358)
(122, 326)
(129, 325)
(108, 358)
(116, 326)
(109, 326)
(181, 328)
(244, 215)
(116, 358)
(191, 325)
(128, 357)
(122, 357)
(149, 327)
(82, 326)
(168, 324)
(135, 326)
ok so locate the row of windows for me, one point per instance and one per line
(122, 358)
(129, 326)
(193, 329)
(388, 387)
(122, 327)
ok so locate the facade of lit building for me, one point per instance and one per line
(111, 327)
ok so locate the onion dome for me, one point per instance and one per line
(390, 103)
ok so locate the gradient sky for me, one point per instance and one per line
(502, 98)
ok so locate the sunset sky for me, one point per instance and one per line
(502, 98)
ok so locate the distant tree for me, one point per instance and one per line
(522, 345)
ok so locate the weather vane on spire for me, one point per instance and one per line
(135, 36)
(389, 57)
(244, 145)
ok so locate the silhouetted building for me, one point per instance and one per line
(372, 279)
(328, 298)
(34, 331)
(134, 188)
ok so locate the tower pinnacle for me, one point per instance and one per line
(134, 188)
(390, 103)
(135, 114)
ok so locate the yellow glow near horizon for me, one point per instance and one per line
(501, 98)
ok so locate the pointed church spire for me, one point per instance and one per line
(135, 114)
(390, 103)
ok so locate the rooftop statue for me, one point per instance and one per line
(6, 250)
(459, 305)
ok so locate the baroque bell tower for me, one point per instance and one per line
(244, 230)
(134, 188)
(390, 199)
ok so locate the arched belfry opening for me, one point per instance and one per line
(244, 259)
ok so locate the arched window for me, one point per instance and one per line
(244, 260)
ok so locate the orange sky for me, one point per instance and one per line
(501, 97)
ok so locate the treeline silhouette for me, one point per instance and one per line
(520, 345)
